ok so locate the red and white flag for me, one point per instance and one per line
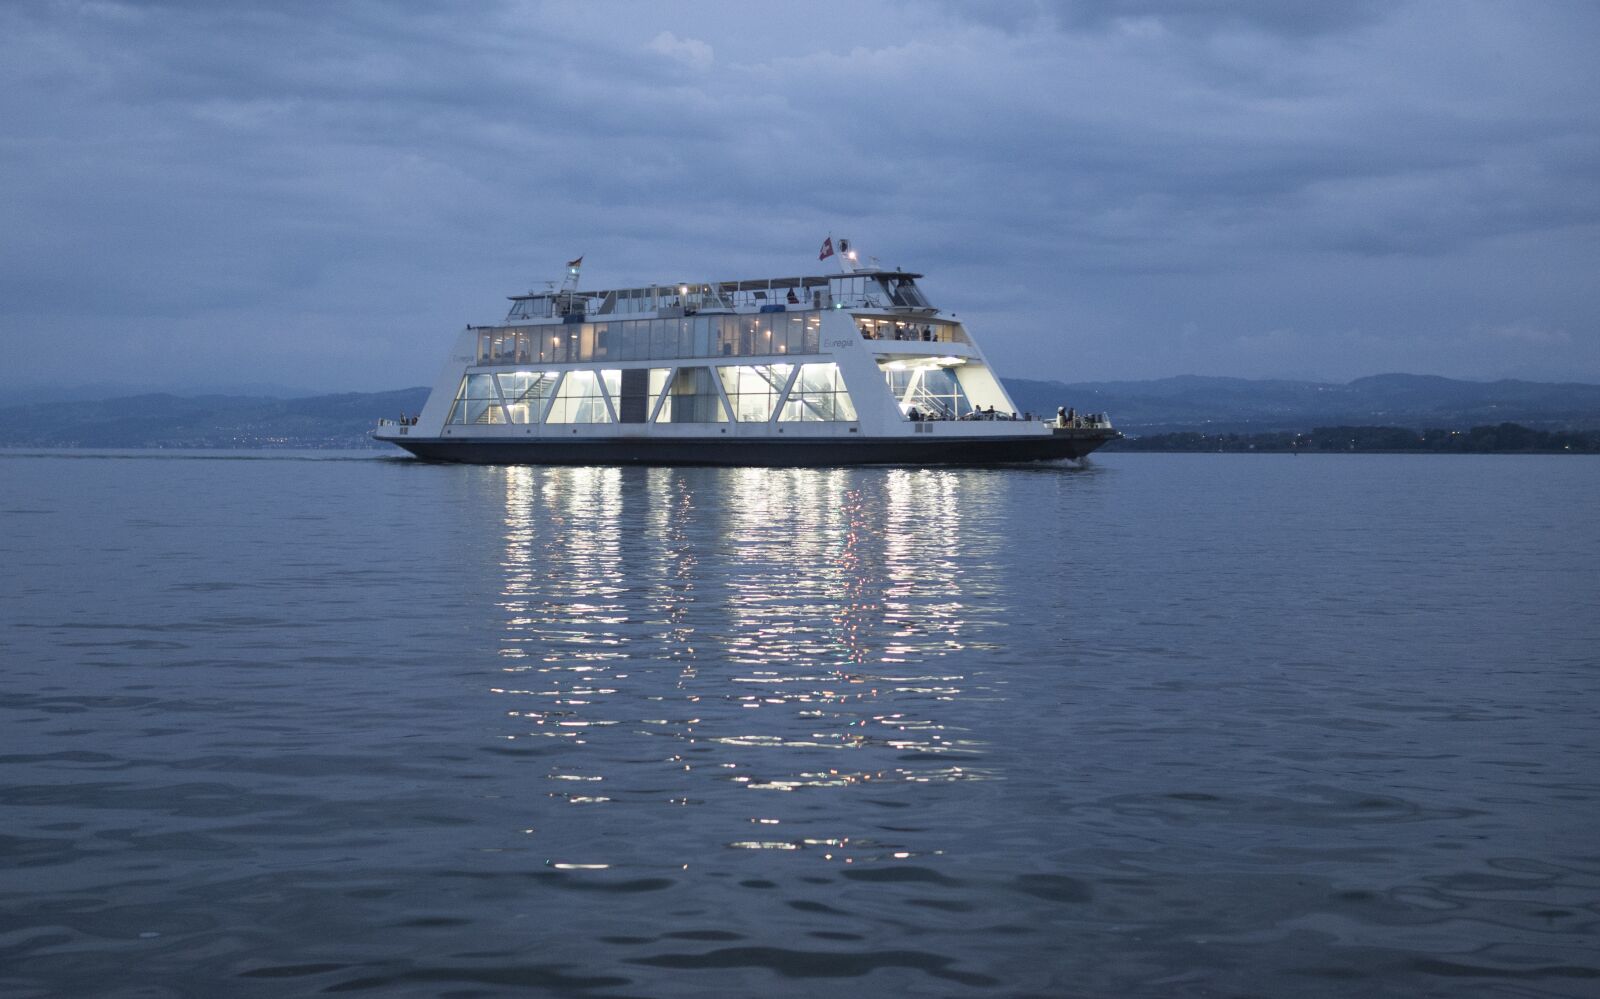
(575, 263)
(827, 249)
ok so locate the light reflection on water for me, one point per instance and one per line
(817, 655)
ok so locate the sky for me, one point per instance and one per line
(198, 195)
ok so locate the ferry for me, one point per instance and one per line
(846, 368)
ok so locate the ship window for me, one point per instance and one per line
(813, 335)
(819, 393)
(927, 330)
(659, 378)
(557, 344)
(753, 389)
(692, 398)
(788, 333)
(635, 340)
(728, 336)
(525, 393)
(902, 291)
(580, 400)
(476, 402)
(489, 341)
(931, 390)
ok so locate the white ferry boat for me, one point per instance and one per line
(835, 369)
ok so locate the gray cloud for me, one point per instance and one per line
(1285, 18)
(317, 194)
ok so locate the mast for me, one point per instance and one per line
(567, 298)
(847, 256)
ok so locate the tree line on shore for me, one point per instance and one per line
(1493, 439)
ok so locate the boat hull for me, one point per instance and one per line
(763, 452)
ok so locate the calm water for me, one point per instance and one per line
(1167, 725)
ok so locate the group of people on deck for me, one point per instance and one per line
(1066, 416)
(925, 333)
(916, 415)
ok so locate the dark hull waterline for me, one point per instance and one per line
(795, 452)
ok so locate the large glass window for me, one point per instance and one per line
(503, 346)
(664, 338)
(553, 344)
(769, 334)
(580, 399)
(818, 394)
(753, 389)
(935, 392)
(658, 382)
(476, 402)
(923, 330)
(693, 398)
(525, 393)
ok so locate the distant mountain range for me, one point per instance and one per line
(206, 421)
(1239, 405)
(1167, 405)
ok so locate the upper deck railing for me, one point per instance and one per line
(891, 290)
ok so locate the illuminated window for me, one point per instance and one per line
(580, 399)
(753, 389)
(933, 391)
(476, 402)
(525, 393)
(818, 394)
(658, 384)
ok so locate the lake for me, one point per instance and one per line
(1167, 725)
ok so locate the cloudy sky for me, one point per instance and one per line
(318, 195)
